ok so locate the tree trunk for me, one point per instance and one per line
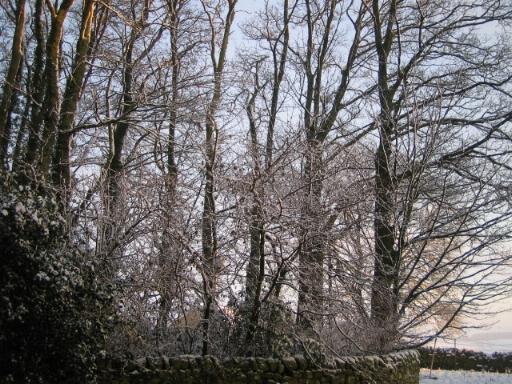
(209, 230)
(114, 165)
(51, 101)
(384, 299)
(386, 264)
(167, 258)
(311, 255)
(255, 271)
(11, 82)
(209, 220)
(61, 173)
(38, 87)
(19, 145)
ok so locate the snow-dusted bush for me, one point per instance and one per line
(52, 310)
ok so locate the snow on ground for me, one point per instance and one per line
(464, 377)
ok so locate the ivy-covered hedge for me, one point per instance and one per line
(51, 308)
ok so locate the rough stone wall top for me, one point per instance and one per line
(395, 368)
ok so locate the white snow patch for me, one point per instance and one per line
(20, 208)
(464, 377)
(42, 276)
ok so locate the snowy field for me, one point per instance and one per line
(464, 377)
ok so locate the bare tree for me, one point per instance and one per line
(342, 186)
(320, 113)
(423, 155)
(61, 173)
(114, 166)
(51, 102)
(262, 155)
(208, 231)
(38, 87)
(186, 42)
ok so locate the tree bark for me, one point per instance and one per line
(51, 101)
(19, 145)
(11, 82)
(312, 251)
(384, 300)
(38, 86)
(255, 269)
(61, 173)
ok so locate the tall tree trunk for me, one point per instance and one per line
(19, 145)
(114, 166)
(208, 227)
(317, 125)
(167, 258)
(386, 265)
(61, 174)
(256, 264)
(11, 83)
(209, 220)
(51, 101)
(38, 87)
(311, 255)
(255, 271)
(384, 299)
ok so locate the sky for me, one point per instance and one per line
(494, 336)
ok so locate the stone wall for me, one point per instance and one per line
(396, 368)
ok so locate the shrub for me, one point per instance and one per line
(52, 311)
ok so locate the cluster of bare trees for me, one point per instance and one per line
(322, 175)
